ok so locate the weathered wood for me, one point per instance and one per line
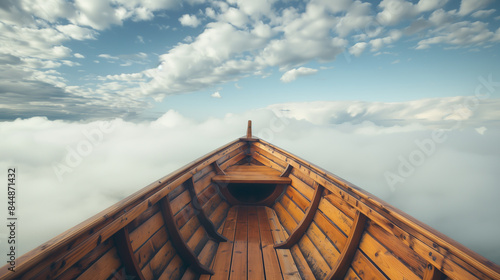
(222, 262)
(239, 264)
(147, 251)
(251, 179)
(288, 268)
(103, 268)
(249, 129)
(124, 248)
(301, 263)
(271, 263)
(180, 245)
(255, 263)
(287, 171)
(364, 267)
(202, 217)
(340, 269)
(432, 273)
(304, 223)
(385, 260)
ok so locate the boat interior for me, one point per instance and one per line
(250, 210)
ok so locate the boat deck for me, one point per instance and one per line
(249, 253)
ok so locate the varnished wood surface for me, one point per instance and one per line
(251, 174)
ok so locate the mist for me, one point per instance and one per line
(69, 171)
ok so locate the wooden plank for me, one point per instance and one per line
(332, 233)
(83, 264)
(351, 275)
(174, 270)
(180, 245)
(239, 264)
(271, 263)
(198, 240)
(219, 214)
(141, 234)
(384, 259)
(103, 268)
(432, 273)
(398, 248)
(341, 220)
(301, 263)
(304, 223)
(251, 178)
(255, 264)
(285, 218)
(159, 261)
(340, 269)
(124, 248)
(288, 268)
(222, 262)
(315, 259)
(204, 182)
(365, 268)
(298, 198)
(146, 252)
(323, 243)
(202, 217)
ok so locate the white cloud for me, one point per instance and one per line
(108, 56)
(468, 6)
(394, 11)
(463, 33)
(358, 48)
(76, 32)
(483, 13)
(189, 20)
(216, 95)
(371, 137)
(293, 74)
(79, 55)
(396, 61)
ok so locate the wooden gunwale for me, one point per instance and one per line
(408, 229)
(104, 224)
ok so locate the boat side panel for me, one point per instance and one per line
(448, 256)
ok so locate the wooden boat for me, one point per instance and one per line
(250, 210)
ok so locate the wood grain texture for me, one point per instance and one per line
(340, 269)
(124, 248)
(305, 222)
(180, 245)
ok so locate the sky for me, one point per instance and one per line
(98, 98)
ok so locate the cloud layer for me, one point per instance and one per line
(235, 40)
(67, 171)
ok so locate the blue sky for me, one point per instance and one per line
(138, 59)
(348, 85)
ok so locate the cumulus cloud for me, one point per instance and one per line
(216, 95)
(293, 74)
(189, 20)
(468, 6)
(358, 48)
(336, 136)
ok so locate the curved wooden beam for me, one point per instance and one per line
(202, 217)
(305, 223)
(342, 266)
(179, 244)
(217, 169)
(124, 248)
(432, 273)
(287, 171)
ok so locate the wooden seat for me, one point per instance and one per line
(254, 174)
